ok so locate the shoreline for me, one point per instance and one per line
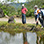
(18, 28)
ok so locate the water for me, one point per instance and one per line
(31, 38)
(6, 38)
(18, 38)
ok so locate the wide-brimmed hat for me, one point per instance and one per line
(22, 4)
(35, 6)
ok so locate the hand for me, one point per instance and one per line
(36, 13)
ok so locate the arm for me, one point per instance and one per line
(35, 13)
(26, 10)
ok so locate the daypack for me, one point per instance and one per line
(38, 11)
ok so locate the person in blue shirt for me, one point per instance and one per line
(36, 13)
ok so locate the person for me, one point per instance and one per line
(36, 13)
(23, 11)
(41, 17)
(11, 20)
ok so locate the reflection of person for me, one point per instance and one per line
(37, 11)
(24, 10)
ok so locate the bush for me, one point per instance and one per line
(10, 10)
(7, 9)
(30, 13)
(43, 6)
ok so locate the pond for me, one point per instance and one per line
(20, 38)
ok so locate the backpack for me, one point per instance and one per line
(38, 11)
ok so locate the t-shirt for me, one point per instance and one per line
(24, 10)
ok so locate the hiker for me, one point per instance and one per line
(41, 17)
(23, 10)
(11, 20)
(36, 13)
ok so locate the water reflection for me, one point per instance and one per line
(41, 39)
(19, 38)
(31, 38)
(6, 38)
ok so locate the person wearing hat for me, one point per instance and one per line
(23, 11)
(36, 13)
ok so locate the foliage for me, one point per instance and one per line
(43, 6)
(40, 3)
(10, 10)
(7, 9)
(30, 6)
(30, 12)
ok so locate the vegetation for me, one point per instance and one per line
(18, 28)
(30, 6)
(7, 9)
(10, 10)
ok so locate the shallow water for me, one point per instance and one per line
(18, 38)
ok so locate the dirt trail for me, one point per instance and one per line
(19, 20)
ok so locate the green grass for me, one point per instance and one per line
(1, 23)
(18, 28)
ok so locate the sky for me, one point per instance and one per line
(22, 0)
(19, 0)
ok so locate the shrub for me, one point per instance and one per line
(10, 10)
(43, 6)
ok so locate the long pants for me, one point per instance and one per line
(41, 21)
(23, 18)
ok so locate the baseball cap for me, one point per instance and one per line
(35, 6)
(22, 4)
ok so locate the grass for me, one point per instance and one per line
(18, 28)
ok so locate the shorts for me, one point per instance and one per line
(36, 16)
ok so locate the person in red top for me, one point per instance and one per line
(23, 11)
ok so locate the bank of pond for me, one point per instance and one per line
(17, 33)
(19, 27)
